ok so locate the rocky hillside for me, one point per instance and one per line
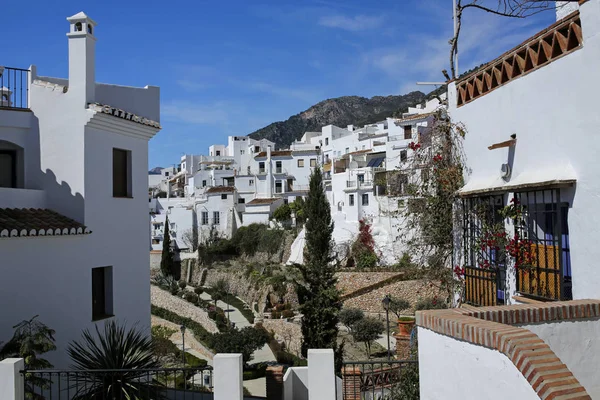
(341, 111)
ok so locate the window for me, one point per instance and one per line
(242, 152)
(408, 132)
(286, 201)
(403, 156)
(347, 150)
(241, 200)
(256, 149)
(204, 217)
(101, 293)
(224, 196)
(278, 168)
(216, 218)
(261, 167)
(167, 173)
(351, 200)
(278, 187)
(204, 183)
(251, 182)
(313, 162)
(365, 199)
(121, 173)
(155, 241)
(8, 168)
(300, 163)
(326, 141)
(218, 152)
(361, 178)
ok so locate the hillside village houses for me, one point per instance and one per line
(247, 180)
(73, 195)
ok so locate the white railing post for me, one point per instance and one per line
(228, 377)
(321, 375)
(12, 384)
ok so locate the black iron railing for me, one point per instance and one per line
(14, 88)
(120, 384)
(378, 380)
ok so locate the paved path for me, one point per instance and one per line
(257, 387)
(263, 354)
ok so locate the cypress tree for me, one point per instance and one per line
(167, 266)
(318, 295)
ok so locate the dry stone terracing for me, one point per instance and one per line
(349, 282)
(190, 341)
(164, 299)
(289, 332)
(411, 291)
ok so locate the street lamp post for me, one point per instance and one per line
(182, 328)
(386, 305)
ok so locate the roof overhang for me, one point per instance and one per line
(549, 178)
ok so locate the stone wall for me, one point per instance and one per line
(349, 282)
(290, 333)
(412, 291)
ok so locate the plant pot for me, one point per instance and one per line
(405, 326)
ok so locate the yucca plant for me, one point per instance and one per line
(128, 351)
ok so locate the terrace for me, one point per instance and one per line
(14, 88)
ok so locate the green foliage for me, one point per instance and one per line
(182, 285)
(363, 248)
(198, 291)
(116, 347)
(283, 213)
(162, 332)
(430, 303)
(30, 339)
(349, 316)
(397, 305)
(165, 282)
(298, 207)
(167, 264)
(366, 259)
(367, 330)
(284, 357)
(255, 372)
(319, 298)
(244, 341)
(408, 388)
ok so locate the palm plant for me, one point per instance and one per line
(129, 352)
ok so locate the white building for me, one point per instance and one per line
(73, 197)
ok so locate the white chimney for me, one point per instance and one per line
(82, 58)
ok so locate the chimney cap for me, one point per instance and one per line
(81, 16)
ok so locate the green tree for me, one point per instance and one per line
(245, 341)
(397, 305)
(282, 213)
(367, 330)
(31, 338)
(319, 298)
(350, 316)
(167, 264)
(120, 348)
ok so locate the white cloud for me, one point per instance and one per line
(353, 24)
(281, 91)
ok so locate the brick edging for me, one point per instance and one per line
(493, 327)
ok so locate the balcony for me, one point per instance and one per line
(359, 185)
(14, 88)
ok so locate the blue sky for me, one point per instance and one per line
(230, 67)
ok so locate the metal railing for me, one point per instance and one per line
(350, 184)
(14, 88)
(380, 380)
(120, 384)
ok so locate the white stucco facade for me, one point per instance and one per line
(67, 144)
(552, 114)
(461, 370)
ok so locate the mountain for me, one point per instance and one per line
(340, 111)
(155, 170)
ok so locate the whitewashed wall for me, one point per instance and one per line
(454, 370)
(577, 344)
(553, 113)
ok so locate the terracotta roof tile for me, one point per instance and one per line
(262, 201)
(15, 222)
(221, 189)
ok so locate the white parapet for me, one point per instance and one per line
(228, 377)
(321, 375)
(11, 379)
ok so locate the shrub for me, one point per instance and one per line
(198, 291)
(282, 213)
(255, 371)
(182, 285)
(349, 316)
(287, 313)
(190, 297)
(200, 333)
(283, 357)
(366, 260)
(430, 303)
(367, 330)
(275, 314)
(245, 341)
(397, 305)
